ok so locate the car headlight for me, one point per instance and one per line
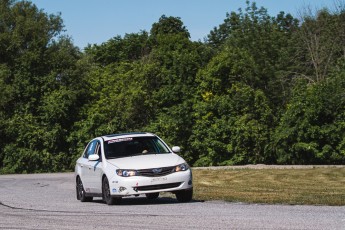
(181, 167)
(126, 172)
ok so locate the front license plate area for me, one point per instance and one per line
(159, 179)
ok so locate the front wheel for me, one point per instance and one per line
(110, 200)
(184, 195)
(81, 195)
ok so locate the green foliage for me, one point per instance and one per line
(29, 152)
(255, 48)
(130, 48)
(40, 89)
(312, 129)
(6, 90)
(319, 44)
(253, 24)
(175, 126)
(231, 65)
(261, 89)
(232, 128)
(169, 26)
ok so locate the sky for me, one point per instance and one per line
(97, 21)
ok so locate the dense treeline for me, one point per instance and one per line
(259, 89)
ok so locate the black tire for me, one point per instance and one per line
(184, 195)
(110, 200)
(81, 194)
(152, 196)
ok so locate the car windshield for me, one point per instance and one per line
(131, 146)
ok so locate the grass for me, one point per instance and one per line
(315, 186)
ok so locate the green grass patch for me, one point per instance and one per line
(315, 186)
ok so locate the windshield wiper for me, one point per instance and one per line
(113, 157)
(149, 153)
(135, 154)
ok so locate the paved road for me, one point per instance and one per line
(47, 201)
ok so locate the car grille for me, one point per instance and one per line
(156, 172)
(157, 186)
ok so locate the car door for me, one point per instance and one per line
(82, 171)
(85, 165)
(95, 171)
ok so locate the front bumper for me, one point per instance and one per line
(136, 185)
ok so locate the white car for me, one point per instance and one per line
(119, 165)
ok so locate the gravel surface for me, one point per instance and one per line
(48, 201)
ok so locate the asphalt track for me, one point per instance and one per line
(48, 201)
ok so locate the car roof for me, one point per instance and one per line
(122, 135)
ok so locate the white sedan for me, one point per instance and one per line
(119, 165)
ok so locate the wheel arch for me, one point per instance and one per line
(76, 178)
(104, 176)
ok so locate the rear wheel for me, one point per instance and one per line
(152, 196)
(110, 200)
(184, 195)
(81, 195)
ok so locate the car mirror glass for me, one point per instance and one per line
(176, 149)
(93, 157)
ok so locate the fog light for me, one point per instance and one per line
(121, 189)
(190, 182)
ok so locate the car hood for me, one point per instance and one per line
(147, 161)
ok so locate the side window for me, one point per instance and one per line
(160, 146)
(85, 151)
(99, 151)
(92, 146)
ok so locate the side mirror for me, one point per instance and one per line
(93, 157)
(176, 149)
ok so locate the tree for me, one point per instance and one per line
(261, 41)
(251, 21)
(42, 87)
(131, 47)
(173, 88)
(311, 131)
(168, 26)
(319, 43)
(232, 128)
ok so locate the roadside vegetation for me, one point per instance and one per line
(316, 186)
(260, 89)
